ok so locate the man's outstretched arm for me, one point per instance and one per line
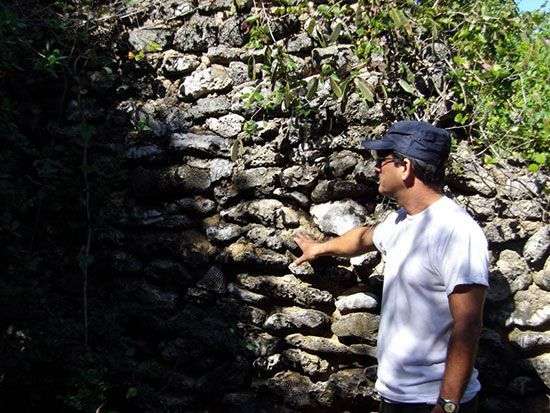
(466, 305)
(354, 242)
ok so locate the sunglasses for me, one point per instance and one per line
(380, 161)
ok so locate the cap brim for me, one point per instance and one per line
(378, 145)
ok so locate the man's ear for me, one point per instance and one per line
(406, 170)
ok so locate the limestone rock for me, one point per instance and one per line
(356, 302)
(210, 6)
(227, 126)
(316, 344)
(541, 364)
(213, 280)
(203, 82)
(222, 54)
(515, 270)
(343, 163)
(339, 189)
(268, 212)
(310, 364)
(269, 365)
(296, 390)
(204, 144)
(361, 325)
(296, 318)
(532, 308)
(542, 277)
(299, 43)
(197, 204)
(260, 343)
(230, 32)
(238, 71)
(261, 155)
(210, 106)
(501, 230)
(529, 340)
(477, 206)
(524, 209)
(245, 295)
(148, 39)
(257, 178)
(176, 63)
(299, 176)
(537, 246)
(339, 216)
(244, 253)
(287, 288)
(147, 153)
(353, 384)
(466, 173)
(196, 34)
(224, 232)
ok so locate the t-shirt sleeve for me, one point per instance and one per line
(382, 230)
(464, 257)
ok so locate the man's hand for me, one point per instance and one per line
(309, 247)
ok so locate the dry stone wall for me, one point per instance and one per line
(210, 217)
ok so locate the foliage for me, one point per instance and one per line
(478, 66)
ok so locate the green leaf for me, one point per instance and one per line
(407, 87)
(364, 89)
(335, 34)
(311, 88)
(336, 87)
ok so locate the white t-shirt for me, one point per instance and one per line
(426, 256)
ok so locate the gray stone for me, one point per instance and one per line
(299, 176)
(230, 32)
(148, 153)
(541, 364)
(172, 9)
(524, 209)
(343, 163)
(320, 345)
(223, 54)
(537, 247)
(148, 39)
(211, 6)
(245, 253)
(287, 288)
(515, 270)
(501, 230)
(211, 106)
(359, 111)
(353, 384)
(245, 295)
(268, 212)
(260, 343)
(219, 168)
(263, 236)
(192, 179)
(290, 319)
(238, 71)
(269, 365)
(299, 43)
(310, 364)
(466, 173)
(356, 302)
(203, 82)
(256, 178)
(339, 216)
(196, 34)
(205, 144)
(302, 269)
(524, 385)
(197, 204)
(522, 186)
(226, 193)
(532, 308)
(477, 206)
(542, 277)
(261, 155)
(224, 232)
(339, 189)
(530, 340)
(237, 311)
(176, 63)
(361, 325)
(295, 390)
(227, 126)
(178, 119)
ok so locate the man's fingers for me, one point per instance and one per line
(299, 260)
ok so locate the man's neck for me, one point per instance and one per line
(416, 199)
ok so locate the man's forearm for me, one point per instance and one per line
(460, 360)
(354, 242)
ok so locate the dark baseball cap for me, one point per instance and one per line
(416, 139)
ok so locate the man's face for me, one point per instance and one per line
(389, 174)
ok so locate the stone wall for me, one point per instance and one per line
(214, 315)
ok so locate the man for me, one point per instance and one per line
(435, 276)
